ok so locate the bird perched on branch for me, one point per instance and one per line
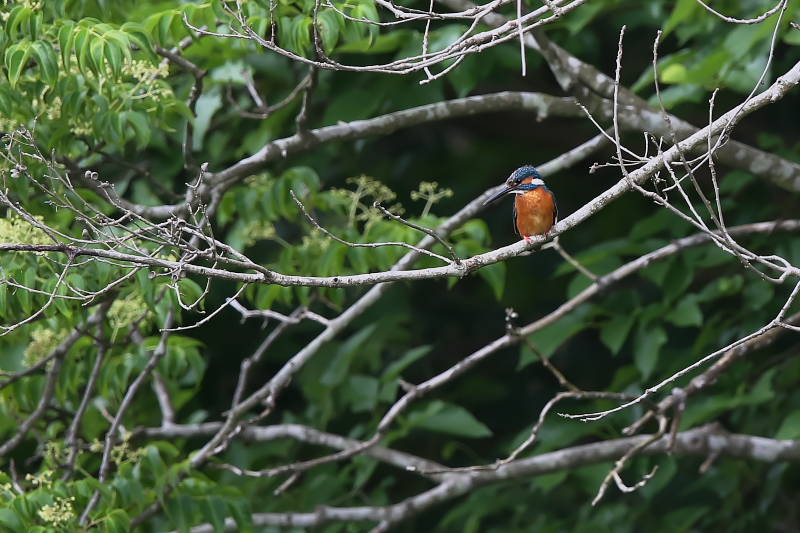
(535, 210)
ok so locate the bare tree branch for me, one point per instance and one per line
(702, 441)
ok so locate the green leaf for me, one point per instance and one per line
(19, 16)
(119, 39)
(676, 94)
(654, 224)
(3, 299)
(23, 508)
(376, 45)
(96, 54)
(180, 511)
(178, 29)
(241, 513)
(657, 271)
(763, 391)
(103, 488)
(553, 336)
(35, 24)
(61, 303)
(154, 460)
(118, 123)
(301, 33)
(162, 30)
(208, 18)
(711, 256)
(757, 294)
(140, 126)
(760, 393)
(792, 38)
(9, 519)
(117, 521)
(549, 481)
(47, 60)
(686, 313)
(26, 297)
(123, 488)
(666, 472)
(678, 279)
(139, 36)
(303, 180)
(367, 10)
(190, 291)
(451, 419)
(741, 40)
(365, 468)
(113, 56)
(735, 181)
(66, 40)
(647, 345)
(526, 357)
(214, 511)
(616, 331)
(180, 108)
(16, 58)
(6, 101)
(600, 263)
(207, 105)
(393, 370)
(167, 449)
(328, 29)
(790, 427)
(82, 40)
(582, 17)
(354, 104)
(466, 76)
(721, 287)
(362, 393)
(707, 71)
(339, 366)
(495, 276)
(684, 10)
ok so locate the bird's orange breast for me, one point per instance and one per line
(535, 212)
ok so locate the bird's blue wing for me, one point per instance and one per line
(555, 208)
(514, 218)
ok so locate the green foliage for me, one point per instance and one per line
(450, 419)
(265, 203)
(719, 56)
(89, 84)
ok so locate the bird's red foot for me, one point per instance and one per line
(527, 238)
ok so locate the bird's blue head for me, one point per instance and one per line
(523, 179)
(528, 171)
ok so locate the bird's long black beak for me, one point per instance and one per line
(498, 194)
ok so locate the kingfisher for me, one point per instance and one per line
(535, 209)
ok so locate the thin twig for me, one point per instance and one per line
(111, 434)
(621, 462)
(427, 231)
(364, 245)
